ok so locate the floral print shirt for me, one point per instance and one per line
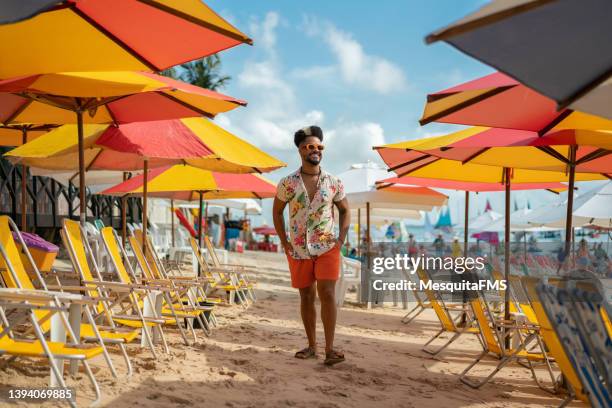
(311, 224)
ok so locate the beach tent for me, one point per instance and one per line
(593, 207)
(535, 42)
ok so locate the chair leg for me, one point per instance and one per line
(94, 383)
(454, 337)
(463, 376)
(408, 318)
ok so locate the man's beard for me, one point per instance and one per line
(313, 160)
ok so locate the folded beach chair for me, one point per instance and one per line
(447, 321)
(180, 300)
(111, 295)
(15, 344)
(227, 281)
(575, 316)
(14, 275)
(241, 271)
(495, 331)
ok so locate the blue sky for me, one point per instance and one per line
(359, 69)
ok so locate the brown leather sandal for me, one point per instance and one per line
(333, 357)
(306, 353)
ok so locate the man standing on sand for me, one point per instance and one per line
(313, 252)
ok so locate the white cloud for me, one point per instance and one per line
(274, 112)
(355, 66)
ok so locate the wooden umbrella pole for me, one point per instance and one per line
(24, 186)
(507, 252)
(200, 227)
(465, 223)
(570, 200)
(144, 205)
(172, 221)
(82, 203)
(124, 214)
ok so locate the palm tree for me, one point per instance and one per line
(204, 73)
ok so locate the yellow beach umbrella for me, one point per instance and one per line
(114, 35)
(104, 97)
(140, 145)
(401, 159)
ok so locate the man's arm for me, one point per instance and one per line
(279, 223)
(345, 219)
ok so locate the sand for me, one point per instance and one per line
(248, 362)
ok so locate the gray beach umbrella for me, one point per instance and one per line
(559, 48)
(13, 11)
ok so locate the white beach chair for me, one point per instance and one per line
(350, 274)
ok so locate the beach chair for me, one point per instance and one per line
(225, 281)
(494, 332)
(421, 302)
(16, 345)
(447, 321)
(82, 257)
(350, 274)
(179, 302)
(240, 271)
(14, 275)
(576, 319)
(171, 311)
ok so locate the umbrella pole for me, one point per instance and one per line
(368, 230)
(570, 200)
(24, 186)
(144, 205)
(358, 232)
(465, 223)
(206, 218)
(82, 203)
(507, 252)
(200, 229)
(124, 214)
(172, 220)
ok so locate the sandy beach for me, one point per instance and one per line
(248, 362)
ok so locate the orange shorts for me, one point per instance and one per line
(304, 272)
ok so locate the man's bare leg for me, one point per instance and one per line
(327, 296)
(309, 314)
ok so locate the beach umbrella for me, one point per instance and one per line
(497, 100)
(187, 183)
(140, 145)
(585, 151)
(445, 169)
(104, 97)
(16, 135)
(12, 11)
(111, 35)
(264, 230)
(558, 48)
(360, 188)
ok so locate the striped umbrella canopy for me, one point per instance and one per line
(104, 97)
(18, 134)
(113, 35)
(194, 141)
(558, 48)
(470, 186)
(587, 151)
(496, 100)
(187, 183)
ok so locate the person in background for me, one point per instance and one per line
(439, 245)
(456, 250)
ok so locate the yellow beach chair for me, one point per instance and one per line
(241, 271)
(447, 321)
(178, 301)
(81, 256)
(495, 331)
(15, 344)
(14, 275)
(226, 281)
